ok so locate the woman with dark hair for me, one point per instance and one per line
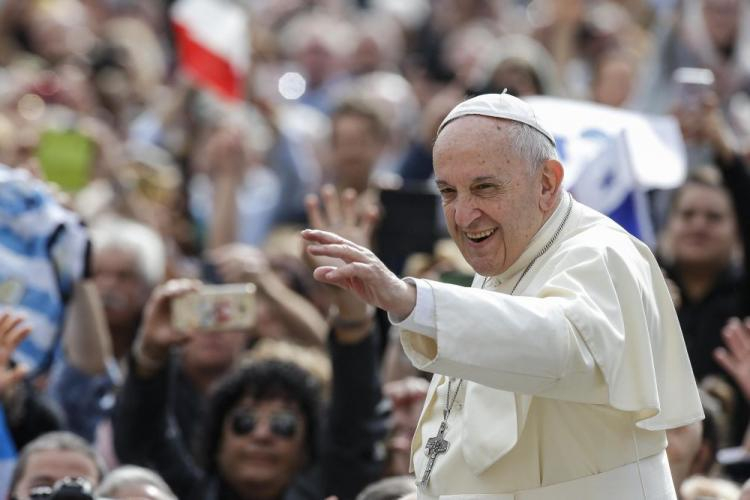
(261, 433)
(709, 223)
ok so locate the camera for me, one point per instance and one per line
(69, 488)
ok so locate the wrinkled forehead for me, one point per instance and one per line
(479, 141)
(475, 130)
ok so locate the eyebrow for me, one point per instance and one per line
(475, 180)
(486, 178)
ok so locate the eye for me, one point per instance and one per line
(714, 217)
(447, 193)
(687, 214)
(485, 188)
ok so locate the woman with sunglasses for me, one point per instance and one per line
(263, 436)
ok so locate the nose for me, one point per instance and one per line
(465, 212)
(105, 281)
(262, 430)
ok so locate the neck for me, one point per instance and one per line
(259, 492)
(697, 280)
(558, 200)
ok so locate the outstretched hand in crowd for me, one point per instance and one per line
(12, 334)
(238, 262)
(353, 218)
(338, 247)
(158, 336)
(735, 357)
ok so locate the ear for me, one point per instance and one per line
(551, 184)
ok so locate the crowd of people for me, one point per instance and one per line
(125, 184)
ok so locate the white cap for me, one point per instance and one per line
(503, 106)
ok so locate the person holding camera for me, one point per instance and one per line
(57, 465)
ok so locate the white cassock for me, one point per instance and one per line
(568, 385)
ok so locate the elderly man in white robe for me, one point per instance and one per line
(557, 373)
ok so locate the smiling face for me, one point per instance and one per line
(493, 201)
(703, 227)
(120, 283)
(263, 456)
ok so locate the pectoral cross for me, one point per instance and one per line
(435, 446)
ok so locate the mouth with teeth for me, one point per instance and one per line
(480, 236)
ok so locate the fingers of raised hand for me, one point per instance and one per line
(331, 205)
(164, 293)
(344, 251)
(737, 338)
(350, 271)
(370, 216)
(175, 288)
(323, 237)
(11, 332)
(314, 215)
(726, 360)
(349, 207)
(15, 337)
(8, 321)
(11, 335)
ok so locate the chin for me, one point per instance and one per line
(701, 260)
(484, 265)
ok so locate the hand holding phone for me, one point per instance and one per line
(693, 86)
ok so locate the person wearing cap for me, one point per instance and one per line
(557, 373)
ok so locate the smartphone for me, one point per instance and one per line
(215, 308)
(692, 86)
(66, 158)
(409, 223)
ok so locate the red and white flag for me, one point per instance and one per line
(213, 44)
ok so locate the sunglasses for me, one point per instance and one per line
(282, 424)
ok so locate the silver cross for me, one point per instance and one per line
(435, 446)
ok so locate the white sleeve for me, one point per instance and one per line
(422, 317)
(600, 329)
(546, 345)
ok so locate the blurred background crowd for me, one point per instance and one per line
(126, 181)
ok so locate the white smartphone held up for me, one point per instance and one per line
(692, 86)
(215, 308)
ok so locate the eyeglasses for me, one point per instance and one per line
(282, 424)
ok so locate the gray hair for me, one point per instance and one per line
(56, 441)
(127, 234)
(532, 146)
(128, 475)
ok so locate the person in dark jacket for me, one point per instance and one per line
(263, 435)
(708, 222)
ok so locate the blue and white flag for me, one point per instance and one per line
(613, 156)
(609, 186)
(43, 251)
(7, 455)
